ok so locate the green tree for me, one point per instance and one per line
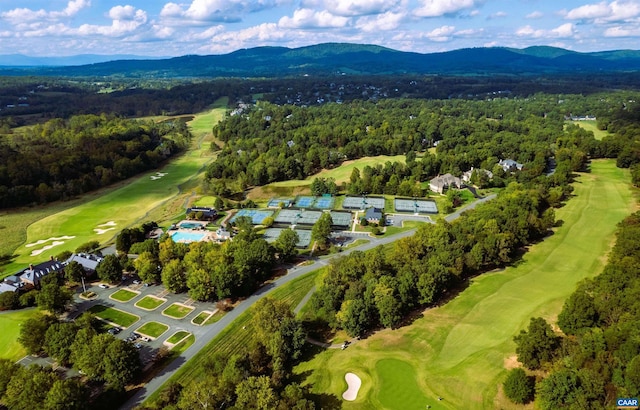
(558, 390)
(88, 247)
(174, 277)
(121, 363)
(58, 340)
(110, 269)
(29, 387)
(256, 393)
(201, 394)
(321, 230)
(68, 394)
(7, 369)
(537, 345)
(218, 203)
(74, 272)
(519, 387)
(147, 266)
(9, 300)
(578, 313)
(53, 298)
(200, 285)
(286, 245)
(33, 331)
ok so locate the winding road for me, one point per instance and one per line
(292, 274)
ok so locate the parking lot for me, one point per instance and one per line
(148, 346)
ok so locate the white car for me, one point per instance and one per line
(103, 286)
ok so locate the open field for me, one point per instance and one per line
(113, 315)
(458, 351)
(67, 225)
(152, 329)
(591, 125)
(10, 322)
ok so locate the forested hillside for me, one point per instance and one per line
(64, 158)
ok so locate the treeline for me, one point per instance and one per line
(258, 377)
(64, 158)
(267, 143)
(363, 292)
(596, 358)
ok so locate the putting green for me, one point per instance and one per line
(459, 351)
(398, 385)
(101, 218)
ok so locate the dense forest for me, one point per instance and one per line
(64, 158)
(596, 358)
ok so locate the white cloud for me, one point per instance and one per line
(125, 20)
(437, 8)
(535, 15)
(382, 22)
(307, 18)
(500, 14)
(21, 15)
(619, 31)
(604, 12)
(563, 31)
(352, 8)
(217, 10)
(441, 33)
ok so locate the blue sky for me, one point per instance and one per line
(172, 28)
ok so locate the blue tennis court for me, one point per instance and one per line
(256, 215)
(277, 202)
(324, 202)
(305, 201)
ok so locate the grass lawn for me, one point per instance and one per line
(592, 126)
(459, 351)
(152, 329)
(10, 322)
(139, 198)
(116, 316)
(177, 311)
(123, 295)
(177, 337)
(214, 318)
(201, 317)
(149, 302)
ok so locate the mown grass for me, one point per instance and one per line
(177, 336)
(200, 318)
(149, 302)
(214, 318)
(152, 329)
(123, 295)
(177, 311)
(135, 200)
(10, 322)
(591, 125)
(458, 351)
(109, 314)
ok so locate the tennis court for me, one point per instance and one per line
(324, 202)
(297, 217)
(305, 201)
(256, 215)
(418, 206)
(341, 220)
(275, 202)
(304, 236)
(359, 202)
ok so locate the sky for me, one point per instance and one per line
(173, 28)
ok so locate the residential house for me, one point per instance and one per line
(441, 183)
(466, 177)
(8, 287)
(510, 165)
(88, 261)
(32, 275)
(373, 215)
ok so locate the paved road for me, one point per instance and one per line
(213, 330)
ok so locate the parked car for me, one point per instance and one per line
(103, 286)
(145, 339)
(114, 330)
(137, 345)
(136, 282)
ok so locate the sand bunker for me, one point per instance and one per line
(110, 223)
(41, 241)
(158, 175)
(353, 385)
(46, 248)
(99, 231)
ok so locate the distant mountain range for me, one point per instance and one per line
(332, 59)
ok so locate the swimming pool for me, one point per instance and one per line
(190, 225)
(187, 236)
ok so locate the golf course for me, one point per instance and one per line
(145, 197)
(456, 356)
